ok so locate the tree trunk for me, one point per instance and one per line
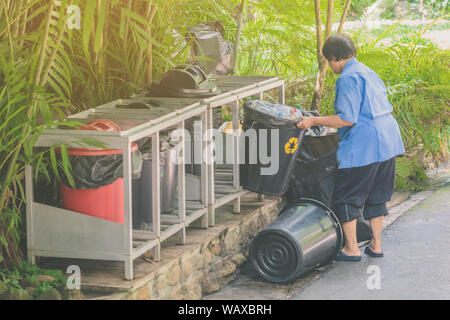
(238, 36)
(323, 63)
(344, 15)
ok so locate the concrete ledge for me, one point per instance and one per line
(207, 261)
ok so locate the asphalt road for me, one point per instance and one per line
(415, 266)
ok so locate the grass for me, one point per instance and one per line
(23, 275)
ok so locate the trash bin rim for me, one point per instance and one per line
(329, 212)
(257, 112)
(96, 151)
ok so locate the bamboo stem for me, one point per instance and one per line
(23, 23)
(137, 66)
(150, 47)
(11, 7)
(9, 35)
(15, 26)
(105, 30)
(43, 45)
(127, 22)
(100, 51)
(14, 20)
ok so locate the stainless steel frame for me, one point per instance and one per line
(56, 232)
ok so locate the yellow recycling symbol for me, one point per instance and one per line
(291, 146)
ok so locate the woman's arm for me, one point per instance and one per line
(327, 121)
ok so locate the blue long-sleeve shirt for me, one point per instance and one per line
(361, 98)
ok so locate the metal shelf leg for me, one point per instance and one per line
(156, 189)
(29, 188)
(129, 268)
(204, 174)
(236, 173)
(128, 211)
(281, 95)
(210, 167)
(182, 183)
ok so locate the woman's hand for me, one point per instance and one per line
(306, 123)
(327, 121)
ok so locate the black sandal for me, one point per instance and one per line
(369, 252)
(343, 257)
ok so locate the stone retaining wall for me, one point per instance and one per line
(210, 265)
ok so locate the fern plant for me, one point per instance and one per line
(409, 176)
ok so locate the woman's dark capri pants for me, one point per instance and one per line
(365, 189)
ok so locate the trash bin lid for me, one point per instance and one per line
(184, 81)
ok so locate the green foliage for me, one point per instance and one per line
(24, 274)
(416, 74)
(35, 91)
(409, 176)
(357, 7)
(48, 71)
(279, 38)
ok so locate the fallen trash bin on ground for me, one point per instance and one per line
(306, 234)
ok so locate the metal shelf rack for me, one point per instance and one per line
(61, 233)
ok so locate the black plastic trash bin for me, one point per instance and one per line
(305, 235)
(256, 125)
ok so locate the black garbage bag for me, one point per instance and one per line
(208, 42)
(92, 172)
(316, 147)
(313, 178)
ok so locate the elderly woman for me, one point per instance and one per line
(370, 141)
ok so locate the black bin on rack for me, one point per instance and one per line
(254, 176)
